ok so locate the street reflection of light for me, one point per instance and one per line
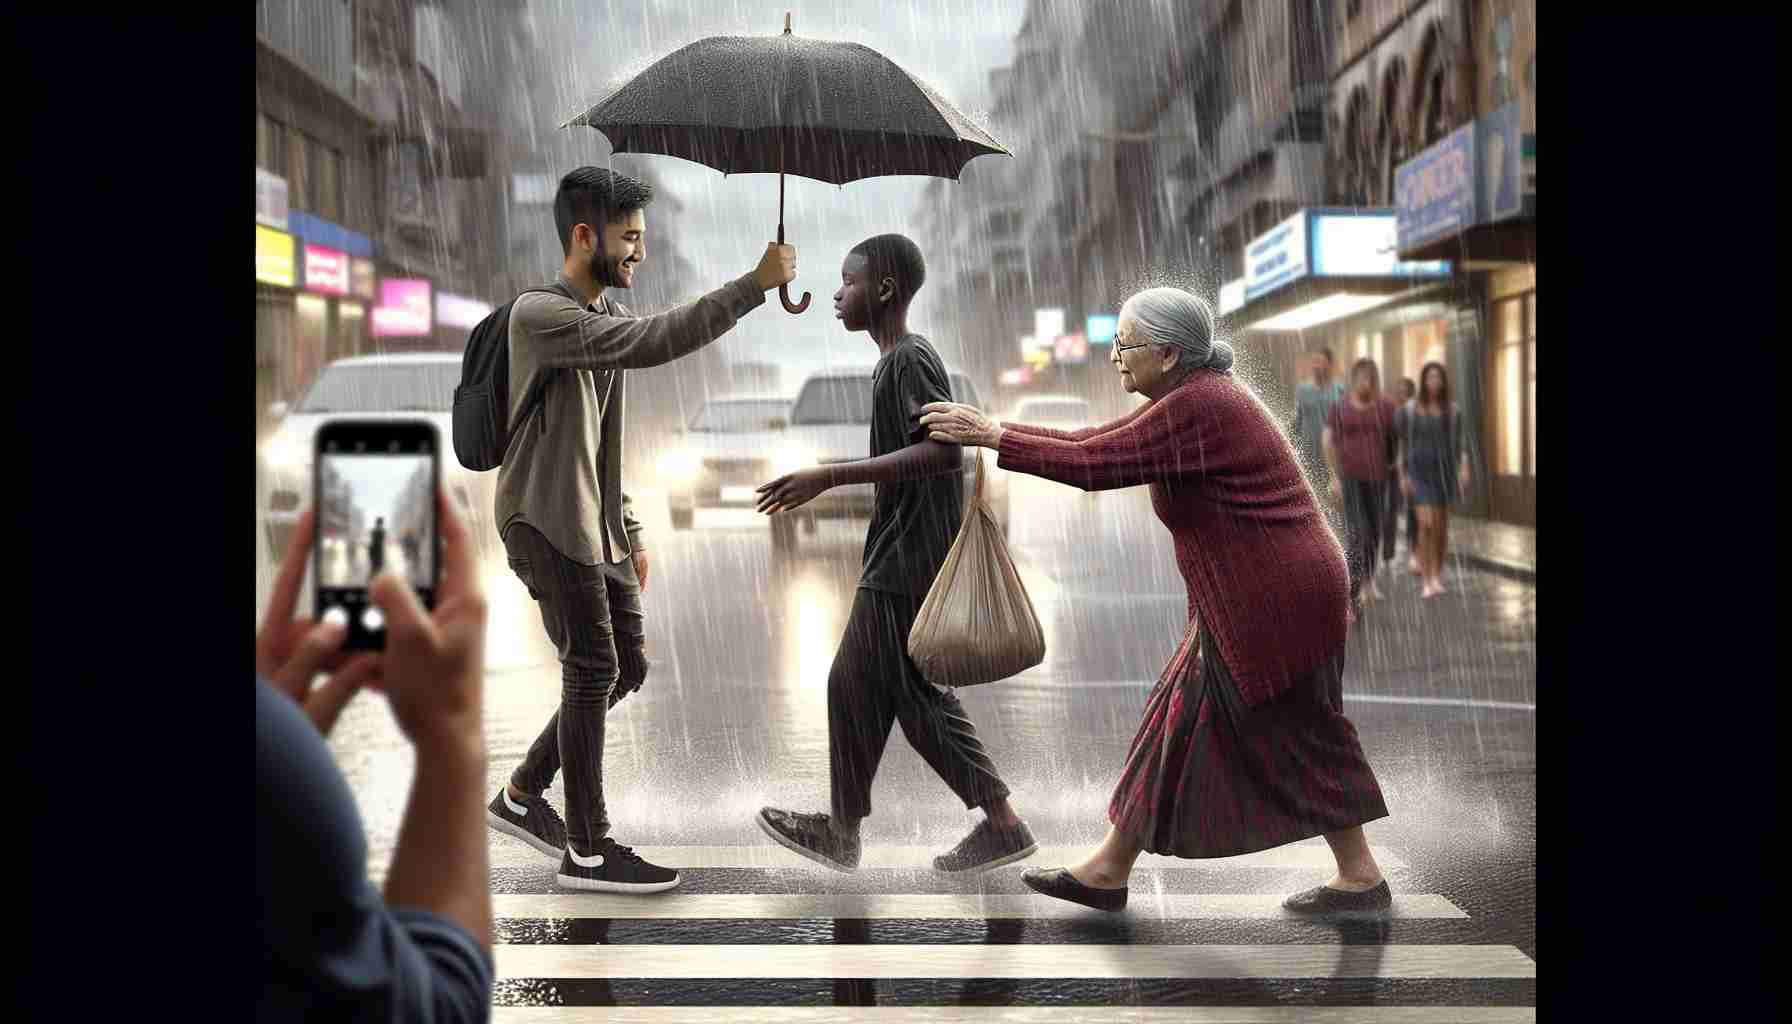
(1044, 595)
(815, 622)
(513, 631)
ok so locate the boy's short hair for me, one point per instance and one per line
(595, 195)
(894, 256)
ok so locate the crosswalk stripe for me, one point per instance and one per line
(1316, 856)
(918, 960)
(914, 906)
(1017, 1014)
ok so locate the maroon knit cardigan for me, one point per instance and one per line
(1263, 569)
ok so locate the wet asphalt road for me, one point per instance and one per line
(732, 717)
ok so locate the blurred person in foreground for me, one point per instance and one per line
(568, 527)
(919, 507)
(1397, 497)
(332, 948)
(1359, 449)
(1313, 401)
(1244, 744)
(1433, 469)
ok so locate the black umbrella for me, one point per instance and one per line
(831, 111)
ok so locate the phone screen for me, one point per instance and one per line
(376, 512)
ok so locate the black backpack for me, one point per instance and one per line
(482, 399)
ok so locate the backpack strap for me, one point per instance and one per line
(538, 399)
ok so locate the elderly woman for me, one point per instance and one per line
(1244, 744)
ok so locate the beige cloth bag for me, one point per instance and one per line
(976, 624)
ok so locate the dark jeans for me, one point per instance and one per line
(593, 616)
(874, 683)
(1365, 503)
(1390, 522)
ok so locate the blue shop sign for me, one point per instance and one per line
(1276, 257)
(1474, 175)
(318, 231)
(1435, 193)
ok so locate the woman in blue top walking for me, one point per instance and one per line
(1433, 468)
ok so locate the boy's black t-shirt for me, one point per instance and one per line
(914, 522)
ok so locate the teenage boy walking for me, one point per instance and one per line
(919, 505)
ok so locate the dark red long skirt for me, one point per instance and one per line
(1208, 776)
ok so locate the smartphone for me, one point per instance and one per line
(375, 484)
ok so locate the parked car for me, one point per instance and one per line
(395, 387)
(729, 448)
(831, 422)
(1059, 412)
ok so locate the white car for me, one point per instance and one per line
(1059, 412)
(730, 447)
(831, 422)
(412, 386)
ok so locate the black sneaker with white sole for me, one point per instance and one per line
(534, 821)
(811, 835)
(613, 867)
(988, 847)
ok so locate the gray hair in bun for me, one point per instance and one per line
(1183, 321)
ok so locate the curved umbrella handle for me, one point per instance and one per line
(792, 307)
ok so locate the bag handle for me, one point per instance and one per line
(977, 494)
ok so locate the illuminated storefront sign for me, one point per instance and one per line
(1100, 329)
(1071, 350)
(270, 199)
(1363, 243)
(404, 309)
(1276, 257)
(326, 270)
(1231, 295)
(460, 311)
(273, 256)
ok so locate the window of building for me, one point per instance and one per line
(270, 145)
(326, 181)
(298, 172)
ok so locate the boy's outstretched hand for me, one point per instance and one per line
(792, 490)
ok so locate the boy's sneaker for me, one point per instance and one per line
(613, 868)
(988, 847)
(534, 821)
(811, 835)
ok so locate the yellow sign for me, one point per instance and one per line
(1038, 359)
(273, 256)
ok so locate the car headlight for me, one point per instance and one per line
(284, 453)
(788, 458)
(679, 464)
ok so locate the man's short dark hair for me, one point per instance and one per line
(1327, 353)
(894, 256)
(595, 196)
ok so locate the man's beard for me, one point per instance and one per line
(605, 272)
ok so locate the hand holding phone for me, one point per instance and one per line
(290, 652)
(376, 487)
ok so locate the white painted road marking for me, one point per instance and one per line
(1016, 960)
(755, 907)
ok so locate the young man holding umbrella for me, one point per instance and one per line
(919, 505)
(568, 528)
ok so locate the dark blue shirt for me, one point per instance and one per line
(330, 947)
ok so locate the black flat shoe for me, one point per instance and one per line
(1323, 899)
(1061, 884)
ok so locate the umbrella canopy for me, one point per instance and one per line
(831, 111)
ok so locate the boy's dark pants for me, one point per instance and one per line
(874, 683)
